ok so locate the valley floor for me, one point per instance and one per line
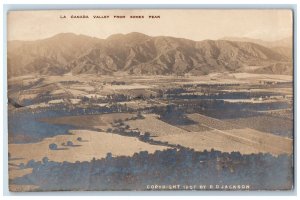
(90, 117)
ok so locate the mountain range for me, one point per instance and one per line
(283, 46)
(137, 53)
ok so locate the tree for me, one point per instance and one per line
(45, 160)
(109, 156)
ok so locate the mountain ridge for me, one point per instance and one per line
(137, 53)
(283, 46)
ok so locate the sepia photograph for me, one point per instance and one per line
(150, 100)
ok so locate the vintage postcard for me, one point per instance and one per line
(147, 100)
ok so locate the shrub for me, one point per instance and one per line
(140, 116)
(31, 163)
(22, 166)
(69, 143)
(109, 155)
(146, 136)
(79, 139)
(109, 130)
(53, 146)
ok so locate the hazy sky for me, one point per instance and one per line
(195, 24)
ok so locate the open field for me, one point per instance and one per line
(218, 135)
(154, 126)
(269, 124)
(232, 129)
(212, 122)
(245, 141)
(93, 145)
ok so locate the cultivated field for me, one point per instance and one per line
(89, 121)
(210, 133)
(269, 124)
(154, 126)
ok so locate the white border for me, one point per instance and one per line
(148, 3)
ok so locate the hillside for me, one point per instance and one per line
(283, 46)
